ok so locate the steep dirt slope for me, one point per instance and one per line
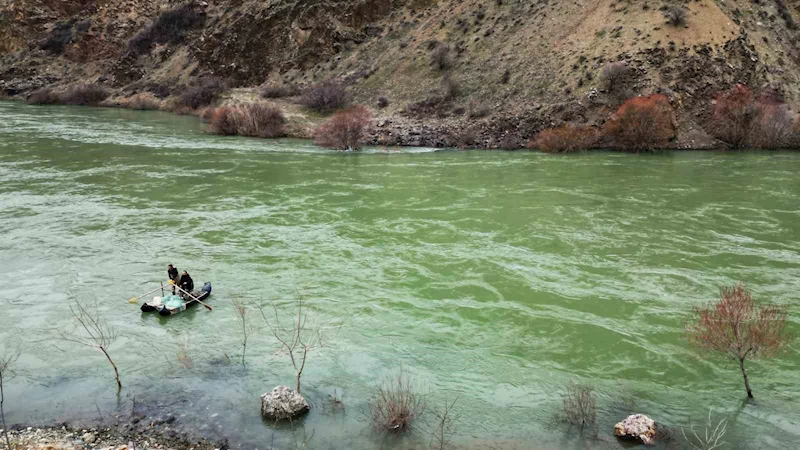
(512, 67)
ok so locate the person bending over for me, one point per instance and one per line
(186, 283)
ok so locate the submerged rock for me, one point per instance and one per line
(637, 427)
(283, 403)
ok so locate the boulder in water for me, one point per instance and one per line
(637, 427)
(283, 403)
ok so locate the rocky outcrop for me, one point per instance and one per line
(283, 403)
(637, 427)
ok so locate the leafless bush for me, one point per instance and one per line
(255, 120)
(676, 16)
(58, 38)
(279, 91)
(440, 57)
(444, 426)
(7, 359)
(450, 88)
(739, 327)
(43, 96)
(345, 130)
(85, 94)
(383, 102)
(143, 102)
(299, 337)
(396, 404)
(579, 405)
(203, 93)
(93, 331)
(477, 110)
(615, 74)
(566, 138)
(242, 315)
(325, 97)
(169, 27)
(711, 436)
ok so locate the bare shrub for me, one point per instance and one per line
(741, 119)
(450, 87)
(345, 130)
(93, 331)
(205, 92)
(615, 75)
(395, 404)
(325, 97)
(579, 405)
(477, 110)
(255, 120)
(242, 312)
(58, 38)
(85, 95)
(641, 123)
(299, 337)
(739, 328)
(711, 436)
(7, 360)
(279, 91)
(440, 57)
(43, 96)
(143, 102)
(676, 16)
(383, 102)
(169, 27)
(566, 138)
(261, 120)
(444, 426)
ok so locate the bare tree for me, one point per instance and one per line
(580, 405)
(739, 327)
(298, 338)
(7, 359)
(241, 312)
(445, 425)
(93, 331)
(396, 404)
(711, 437)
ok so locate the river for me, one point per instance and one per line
(490, 278)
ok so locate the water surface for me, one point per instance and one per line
(491, 277)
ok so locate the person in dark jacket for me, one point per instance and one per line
(186, 283)
(172, 274)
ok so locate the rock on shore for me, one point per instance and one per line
(637, 427)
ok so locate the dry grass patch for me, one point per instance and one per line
(254, 120)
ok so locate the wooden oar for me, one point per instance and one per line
(193, 297)
(136, 299)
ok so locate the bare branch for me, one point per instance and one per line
(93, 331)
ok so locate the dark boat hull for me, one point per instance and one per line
(201, 295)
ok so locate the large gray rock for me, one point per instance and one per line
(637, 427)
(283, 403)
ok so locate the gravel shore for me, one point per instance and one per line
(67, 438)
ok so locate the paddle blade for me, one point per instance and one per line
(133, 300)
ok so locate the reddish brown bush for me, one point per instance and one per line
(43, 96)
(255, 120)
(641, 123)
(203, 93)
(85, 94)
(741, 119)
(566, 138)
(395, 405)
(279, 91)
(739, 328)
(143, 101)
(345, 130)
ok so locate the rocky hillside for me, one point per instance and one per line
(490, 72)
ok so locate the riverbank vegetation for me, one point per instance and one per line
(739, 328)
(254, 120)
(7, 359)
(735, 326)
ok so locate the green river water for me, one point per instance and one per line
(492, 277)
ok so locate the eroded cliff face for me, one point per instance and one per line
(530, 63)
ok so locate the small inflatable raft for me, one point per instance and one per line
(173, 304)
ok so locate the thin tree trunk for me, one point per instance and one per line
(3, 414)
(746, 381)
(298, 381)
(116, 372)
